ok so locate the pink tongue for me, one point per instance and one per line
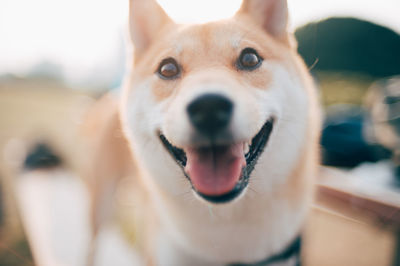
(215, 171)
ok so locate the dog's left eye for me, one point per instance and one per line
(248, 59)
(168, 69)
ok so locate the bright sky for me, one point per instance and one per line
(84, 36)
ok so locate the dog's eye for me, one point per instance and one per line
(249, 59)
(168, 69)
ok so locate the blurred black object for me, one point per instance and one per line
(343, 143)
(41, 156)
(349, 44)
(383, 120)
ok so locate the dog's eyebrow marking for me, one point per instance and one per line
(235, 41)
(178, 48)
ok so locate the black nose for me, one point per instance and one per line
(210, 113)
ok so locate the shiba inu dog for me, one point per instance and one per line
(219, 125)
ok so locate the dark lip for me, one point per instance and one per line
(258, 144)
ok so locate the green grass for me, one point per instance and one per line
(344, 88)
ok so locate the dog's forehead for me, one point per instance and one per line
(214, 43)
(210, 35)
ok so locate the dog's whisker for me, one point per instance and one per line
(255, 191)
(286, 119)
(188, 192)
(210, 211)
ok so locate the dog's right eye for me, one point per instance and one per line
(168, 69)
(248, 60)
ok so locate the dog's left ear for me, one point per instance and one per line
(146, 19)
(271, 15)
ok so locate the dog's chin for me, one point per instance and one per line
(220, 173)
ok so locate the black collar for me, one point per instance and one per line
(292, 250)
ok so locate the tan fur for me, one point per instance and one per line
(180, 228)
(200, 57)
(109, 160)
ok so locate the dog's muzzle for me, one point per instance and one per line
(217, 166)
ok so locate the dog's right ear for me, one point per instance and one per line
(146, 18)
(271, 15)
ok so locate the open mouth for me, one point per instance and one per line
(219, 173)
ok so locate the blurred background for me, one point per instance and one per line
(57, 57)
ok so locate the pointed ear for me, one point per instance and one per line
(271, 15)
(146, 18)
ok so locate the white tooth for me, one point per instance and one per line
(246, 148)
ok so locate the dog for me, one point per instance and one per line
(218, 127)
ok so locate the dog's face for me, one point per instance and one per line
(209, 107)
